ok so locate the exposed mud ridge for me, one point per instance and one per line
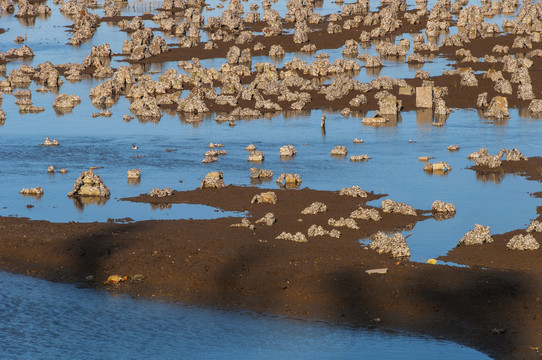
(211, 262)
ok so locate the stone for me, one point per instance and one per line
(498, 108)
(245, 222)
(372, 121)
(49, 142)
(388, 105)
(395, 245)
(535, 226)
(215, 153)
(51, 169)
(358, 141)
(256, 173)
(491, 161)
(268, 197)
(104, 113)
(301, 32)
(390, 206)
(453, 148)
(213, 145)
(366, 214)
(342, 222)
(315, 208)
(317, 230)
(442, 207)
(354, 191)
(441, 166)
(363, 157)
(523, 242)
(287, 151)
(407, 90)
(480, 153)
(309, 48)
(268, 219)
(513, 155)
(373, 62)
(213, 180)
(535, 107)
(37, 191)
(209, 159)
(289, 180)
(276, 51)
(424, 97)
(66, 102)
(339, 150)
(157, 192)
(89, 184)
(134, 174)
(256, 156)
(251, 147)
(298, 237)
(478, 236)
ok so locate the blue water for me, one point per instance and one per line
(44, 320)
(47, 320)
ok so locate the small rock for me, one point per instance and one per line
(424, 97)
(478, 236)
(157, 192)
(214, 180)
(342, 222)
(256, 156)
(363, 157)
(37, 191)
(289, 180)
(339, 150)
(315, 208)
(354, 191)
(535, 226)
(268, 197)
(89, 184)
(269, 219)
(48, 142)
(441, 166)
(390, 206)
(245, 222)
(298, 237)
(395, 245)
(134, 174)
(523, 242)
(442, 207)
(260, 173)
(287, 151)
(366, 214)
(453, 148)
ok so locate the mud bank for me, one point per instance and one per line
(209, 262)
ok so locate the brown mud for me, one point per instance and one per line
(208, 262)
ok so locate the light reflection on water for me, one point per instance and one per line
(84, 324)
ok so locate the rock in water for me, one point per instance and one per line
(213, 179)
(89, 184)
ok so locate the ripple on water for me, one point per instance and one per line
(48, 320)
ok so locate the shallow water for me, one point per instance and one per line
(502, 202)
(50, 321)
